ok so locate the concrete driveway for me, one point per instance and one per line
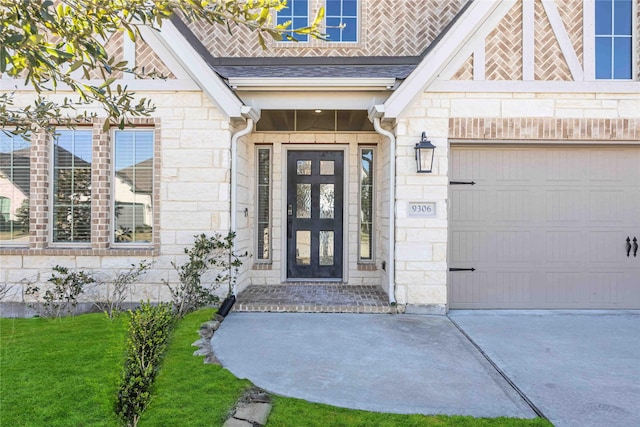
(578, 368)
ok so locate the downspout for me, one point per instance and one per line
(392, 208)
(234, 183)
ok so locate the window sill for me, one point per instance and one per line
(80, 251)
(367, 266)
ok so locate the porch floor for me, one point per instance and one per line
(314, 298)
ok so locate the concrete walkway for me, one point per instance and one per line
(386, 363)
(579, 368)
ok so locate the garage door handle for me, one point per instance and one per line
(628, 246)
(635, 246)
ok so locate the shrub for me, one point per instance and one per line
(111, 304)
(208, 253)
(63, 296)
(147, 341)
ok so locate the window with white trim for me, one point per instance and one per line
(614, 39)
(71, 200)
(366, 203)
(263, 205)
(15, 183)
(296, 12)
(342, 20)
(133, 186)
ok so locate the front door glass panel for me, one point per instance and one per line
(303, 247)
(303, 204)
(327, 200)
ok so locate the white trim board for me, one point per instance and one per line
(625, 87)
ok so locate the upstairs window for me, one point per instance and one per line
(342, 20)
(613, 32)
(296, 12)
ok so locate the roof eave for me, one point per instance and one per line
(312, 84)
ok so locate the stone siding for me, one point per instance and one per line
(191, 196)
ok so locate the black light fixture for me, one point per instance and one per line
(424, 154)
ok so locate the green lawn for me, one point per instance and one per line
(65, 373)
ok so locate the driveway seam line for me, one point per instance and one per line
(502, 374)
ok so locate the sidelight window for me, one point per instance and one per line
(264, 204)
(366, 202)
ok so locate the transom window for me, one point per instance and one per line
(342, 20)
(614, 35)
(296, 12)
(314, 121)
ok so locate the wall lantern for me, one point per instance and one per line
(424, 154)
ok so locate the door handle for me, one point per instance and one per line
(635, 246)
(628, 246)
(289, 227)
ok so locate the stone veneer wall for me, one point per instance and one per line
(421, 248)
(192, 196)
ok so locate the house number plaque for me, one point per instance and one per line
(422, 209)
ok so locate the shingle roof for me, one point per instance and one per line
(319, 71)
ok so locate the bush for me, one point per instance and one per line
(147, 341)
(63, 297)
(111, 303)
(208, 253)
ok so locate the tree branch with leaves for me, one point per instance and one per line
(60, 44)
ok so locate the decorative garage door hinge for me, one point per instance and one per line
(462, 183)
(462, 269)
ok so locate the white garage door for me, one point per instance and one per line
(544, 227)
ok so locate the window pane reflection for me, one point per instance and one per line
(327, 200)
(303, 205)
(133, 186)
(303, 167)
(326, 248)
(326, 167)
(303, 247)
(15, 181)
(366, 204)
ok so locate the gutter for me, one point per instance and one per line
(375, 115)
(251, 116)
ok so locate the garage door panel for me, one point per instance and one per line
(472, 166)
(564, 166)
(469, 206)
(562, 246)
(609, 205)
(612, 166)
(545, 227)
(608, 246)
(564, 206)
(562, 287)
(513, 205)
(513, 246)
(472, 246)
(513, 287)
(609, 289)
(471, 288)
(512, 166)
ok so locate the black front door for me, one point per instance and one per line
(314, 214)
